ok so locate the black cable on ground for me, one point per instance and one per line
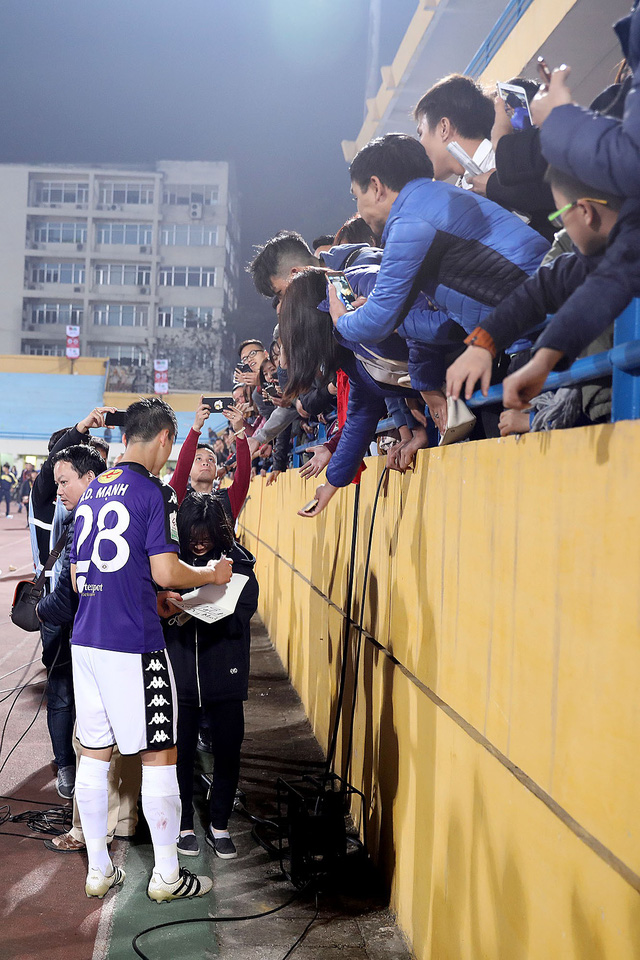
(236, 919)
(304, 932)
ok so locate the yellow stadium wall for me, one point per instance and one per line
(497, 730)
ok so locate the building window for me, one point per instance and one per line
(120, 315)
(189, 235)
(184, 194)
(179, 317)
(56, 313)
(52, 192)
(119, 193)
(120, 353)
(133, 234)
(31, 349)
(57, 273)
(187, 277)
(69, 231)
(123, 274)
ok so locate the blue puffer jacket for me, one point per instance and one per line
(59, 607)
(479, 253)
(599, 150)
(439, 333)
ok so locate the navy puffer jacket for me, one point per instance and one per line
(599, 150)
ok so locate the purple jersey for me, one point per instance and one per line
(125, 516)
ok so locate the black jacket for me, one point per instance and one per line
(43, 492)
(211, 661)
(59, 608)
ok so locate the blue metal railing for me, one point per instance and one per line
(496, 37)
(621, 363)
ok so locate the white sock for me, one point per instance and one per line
(91, 795)
(162, 809)
(220, 833)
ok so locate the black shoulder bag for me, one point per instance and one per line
(29, 592)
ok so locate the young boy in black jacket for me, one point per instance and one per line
(586, 291)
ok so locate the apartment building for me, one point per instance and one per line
(143, 258)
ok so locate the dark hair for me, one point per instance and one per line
(395, 159)
(57, 435)
(355, 230)
(245, 343)
(82, 458)
(273, 346)
(99, 444)
(7, 465)
(463, 102)
(310, 347)
(574, 189)
(203, 513)
(324, 240)
(530, 87)
(276, 258)
(207, 446)
(145, 418)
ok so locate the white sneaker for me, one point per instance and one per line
(187, 885)
(98, 884)
(9, 516)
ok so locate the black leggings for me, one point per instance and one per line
(226, 723)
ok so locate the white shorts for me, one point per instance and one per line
(128, 699)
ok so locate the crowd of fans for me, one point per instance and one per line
(460, 278)
(432, 288)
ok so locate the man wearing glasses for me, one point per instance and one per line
(585, 290)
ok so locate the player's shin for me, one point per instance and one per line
(161, 808)
(92, 798)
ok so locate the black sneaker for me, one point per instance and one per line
(66, 782)
(188, 845)
(223, 847)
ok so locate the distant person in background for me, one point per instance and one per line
(7, 482)
(322, 243)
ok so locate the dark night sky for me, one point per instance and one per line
(272, 85)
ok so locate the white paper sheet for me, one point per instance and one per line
(213, 601)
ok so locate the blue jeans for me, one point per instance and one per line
(61, 711)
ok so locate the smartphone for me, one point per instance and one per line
(271, 390)
(244, 368)
(543, 70)
(115, 419)
(463, 158)
(218, 404)
(308, 507)
(516, 105)
(343, 288)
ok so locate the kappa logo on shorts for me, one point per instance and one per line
(160, 737)
(154, 665)
(156, 683)
(157, 700)
(159, 718)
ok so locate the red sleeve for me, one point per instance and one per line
(242, 478)
(333, 441)
(186, 457)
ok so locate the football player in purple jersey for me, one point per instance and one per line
(126, 542)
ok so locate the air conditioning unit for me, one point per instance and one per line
(100, 206)
(78, 289)
(145, 290)
(114, 207)
(34, 245)
(79, 246)
(195, 211)
(31, 286)
(144, 250)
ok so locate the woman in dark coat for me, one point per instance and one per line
(211, 667)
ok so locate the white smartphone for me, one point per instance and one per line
(463, 158)
(516, 105)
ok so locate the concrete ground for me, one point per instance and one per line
(43, 910)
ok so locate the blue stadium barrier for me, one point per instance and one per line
(621, 363)
(496, 37)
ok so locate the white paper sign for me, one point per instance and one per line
(213, 601)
